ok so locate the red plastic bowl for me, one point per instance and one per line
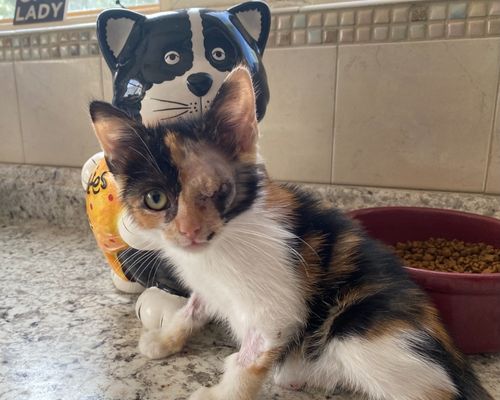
(469, 303)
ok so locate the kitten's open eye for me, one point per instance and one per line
(218, 54)
(172, 57)
(156, 200)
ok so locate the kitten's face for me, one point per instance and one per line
(191, 211)
(187, 179)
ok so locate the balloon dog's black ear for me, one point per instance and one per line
(116, 30)
(255, 17)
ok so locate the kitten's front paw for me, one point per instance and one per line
(204, 393)
(157, 344)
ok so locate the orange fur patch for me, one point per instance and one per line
(280, 199)
(176, 146)
(431, 321)
(146, 219)
(264, 363)
(344, 254)
(311, 263)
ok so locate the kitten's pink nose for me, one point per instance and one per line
(189, 230)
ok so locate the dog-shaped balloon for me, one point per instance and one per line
(165, 66)
(172, 64)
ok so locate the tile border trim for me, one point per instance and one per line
(368, 21)
(395, 22)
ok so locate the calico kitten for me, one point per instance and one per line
(305, 292)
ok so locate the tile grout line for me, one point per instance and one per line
(102, 78)
(494, 121)
(334, 116)
(18, 103)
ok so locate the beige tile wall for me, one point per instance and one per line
(297, 130)
(11, 147)
(53, 99)
(107, 81)
(416, 114)
(493, 172)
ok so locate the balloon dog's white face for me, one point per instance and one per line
(194, 91)
(172, 64)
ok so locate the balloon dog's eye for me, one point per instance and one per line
(218, 54)
(172, 57)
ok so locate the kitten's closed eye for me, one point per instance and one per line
(224, 196)
(221, 197)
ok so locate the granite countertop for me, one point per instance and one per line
(66, 333)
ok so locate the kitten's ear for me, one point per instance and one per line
(232, 116)
(115, 131)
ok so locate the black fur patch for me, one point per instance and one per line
(150, 268)
(461, 374)
(248, 182)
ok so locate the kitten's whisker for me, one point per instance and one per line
(295, 236)
(149, 161)
(147, 149)
(123, 253)
(134, 252)
(134, 258)
(131, 262)
(170, 101)
(253, 246)
(143, 263)
(153, 263)
(300, 258)
(245, 245)
(158, 264)
(231, 250)
(141, 256)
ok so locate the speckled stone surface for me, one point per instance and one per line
(53, 194)
(66, 333)
(353, 197)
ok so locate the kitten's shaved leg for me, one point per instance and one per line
(172, 337)
(244, 373)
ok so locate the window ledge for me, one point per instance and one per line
(75, 19)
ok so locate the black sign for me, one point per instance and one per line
(36, 11)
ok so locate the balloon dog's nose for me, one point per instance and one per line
(199, 84)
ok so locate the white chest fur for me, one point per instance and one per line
(245, 276)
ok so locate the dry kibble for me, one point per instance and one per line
(438, 254)
(489, 257)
